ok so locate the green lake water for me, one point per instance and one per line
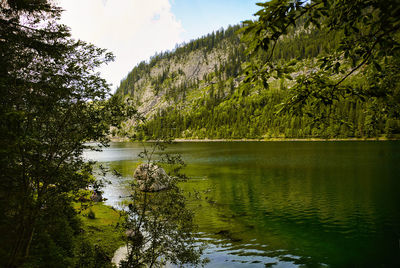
(286, 204)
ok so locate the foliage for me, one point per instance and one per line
(65, 240)
(100, 237)
(160, 227)
(369, 43)
(53, 244)
(52, 103)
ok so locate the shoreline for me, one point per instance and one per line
(119, 139)
(282, 139)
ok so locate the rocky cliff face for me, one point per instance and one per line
(168, 78)
(179, 72)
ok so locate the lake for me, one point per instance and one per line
(285, 204)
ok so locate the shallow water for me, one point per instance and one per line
(286, 204)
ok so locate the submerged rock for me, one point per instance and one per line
(151, 178)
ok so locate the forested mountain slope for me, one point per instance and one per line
(197, 91)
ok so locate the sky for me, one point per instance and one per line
(134, 30)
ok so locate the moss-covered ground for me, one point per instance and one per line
(103, 228)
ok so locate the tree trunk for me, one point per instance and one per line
(21, 246)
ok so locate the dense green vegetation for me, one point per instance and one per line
(87, 240)
(253, 117)
(101, 235)
(52, 103)
(239, 99)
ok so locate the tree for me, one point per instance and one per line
(52, 103)
(369, 43)
(160, 226)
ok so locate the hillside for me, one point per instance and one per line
(197, 91)
(169, 77)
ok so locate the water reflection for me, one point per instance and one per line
(285, 204)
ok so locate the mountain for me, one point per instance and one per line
(169, 77)
(197, 92)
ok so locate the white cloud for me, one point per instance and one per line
(132, 29)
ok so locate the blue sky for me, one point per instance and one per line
(200, 17)
(134, 30)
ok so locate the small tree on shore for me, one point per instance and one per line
(160, 226)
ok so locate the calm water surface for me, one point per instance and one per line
(286, 204)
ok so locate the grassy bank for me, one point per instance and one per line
(102, 228)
